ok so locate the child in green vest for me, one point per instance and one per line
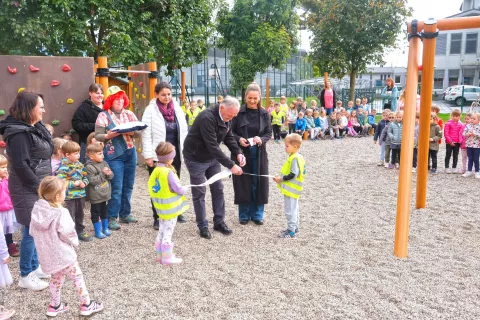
(291, 184)
(192, 113)
(278, 119)
(166, 193)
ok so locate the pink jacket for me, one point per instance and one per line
(453, 132)
(5, 200)
(55, 237)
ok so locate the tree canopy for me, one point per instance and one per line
(172, 32)
(258, 34)
(349, 35)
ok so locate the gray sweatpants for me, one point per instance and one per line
(292, 213)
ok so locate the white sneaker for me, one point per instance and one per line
(477, 175)
(32, 282)
(39, 273)
(448, 170)
(386, 164)
(414, 170)
(467, 174)
(380, 163)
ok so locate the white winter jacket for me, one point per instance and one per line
(156, 132)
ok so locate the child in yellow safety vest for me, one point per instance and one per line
(200, 105)
(278, 119)
(192, 113)
(291, 184)
(167, 197)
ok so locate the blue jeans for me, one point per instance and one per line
(123, 168)
(473, 158)
(252, 210)
(28, 253)
(199, 173)
(83, 151)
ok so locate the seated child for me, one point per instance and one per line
(300, 124)
(312, 131)
(333, 127)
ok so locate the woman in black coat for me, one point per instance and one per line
(29, 149)
(253, 121)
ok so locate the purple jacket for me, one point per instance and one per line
(453, 132)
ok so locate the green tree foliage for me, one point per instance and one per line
(172, 32)
(258, 34)
(349, 35)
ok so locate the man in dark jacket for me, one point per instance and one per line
(203, 157)
(83, 121)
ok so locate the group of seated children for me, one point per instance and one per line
(464, 137)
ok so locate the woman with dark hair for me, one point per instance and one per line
(84, 119)
(252, 129)
(166, 122)
(29, 148)
(120, 154)
(328, 98)
(389, 95)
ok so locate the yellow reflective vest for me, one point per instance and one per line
(192, 115)
(293, 188)
(168, 204)
(277, 117)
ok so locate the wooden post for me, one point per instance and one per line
(103, 64)
(95, 67)
(267, 93)
(425, 111)
(325, 80)
(152, 66)
(405, 175)
(184, 94)
(130, 88)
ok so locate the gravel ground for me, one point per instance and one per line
(341, 266)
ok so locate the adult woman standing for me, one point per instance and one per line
(251, 191)
(29, 148)
(389, 95)
(166, 122)
(327, 98)
(84, 119)
(120, 154)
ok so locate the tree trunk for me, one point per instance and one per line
(353, 80)
(243, 95)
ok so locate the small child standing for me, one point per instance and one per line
(271, 106)
(453, 138)
(433, 146)
(57, 155)
(395, 135)
(74, 173)
(472, 135)
(463, 147)
(7, 215)
(55, 239)
(378, 132)
(366, 106)
(278, 119)
(291, 184)
(167, 197)
(5, 275)
(349, 107)
(292, 115)
(99, 190)
(283, 104)
(415, 142)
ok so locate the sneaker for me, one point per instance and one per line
(467, 174)
(258, 222)
(391, 166)
(32, 282)
(40, 274)
(13, 250)
(128, 219)
(84, 237)
(448, 170)
(288, 235)
(386, 165)
(54, 311)
(477, 175)
(243, 222)
(414, 170)
(113, 225)
(380, 163)
(205, 233)
(6, 313)
(433, 171)
(93, 307)
(397, 165)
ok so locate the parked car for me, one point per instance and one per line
(177, 89)
(446, 92)
(469, 94)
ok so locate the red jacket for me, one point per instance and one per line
(453, 132)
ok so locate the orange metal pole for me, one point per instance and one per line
(152, 66)
(405, 175)
(95, 67)
(102, 63)
(184, 94)
(451, 24)
(267, 93)
(425, 110)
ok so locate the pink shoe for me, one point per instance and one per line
(54, 311)
(167, 255)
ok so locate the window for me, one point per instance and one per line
(471, 43)
(438, 79)
(455, 43)
(453, 77)
(441, 48)
(397, 79)
(468, 75)
(200, 75)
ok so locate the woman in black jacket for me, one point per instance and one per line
(84, 119)
(251, 191)
(29, 149)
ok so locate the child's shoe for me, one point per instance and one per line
(54, 311)
(97, 226)
(113, 225)
(167, 255)
(13, 250)
(448, 170)
(158, 250)
(467, 174)
(391, 166)
(105, 227)
(477, 175)
(6, 313)
(397, 165)
(433, 171)
(93, 307)
(83, 236)
(288, 235)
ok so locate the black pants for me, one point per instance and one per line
(75, 207)
(9, 238)
(455, 149)
(415, 153)
(276, 131)
(432, 154)
(98, 210)
(395, 154)
(291, 128)
(177, 164)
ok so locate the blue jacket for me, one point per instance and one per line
(301, 124)
(318, 123)
(381, 125)
(371, 119)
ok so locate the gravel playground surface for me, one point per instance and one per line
(341, 266)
